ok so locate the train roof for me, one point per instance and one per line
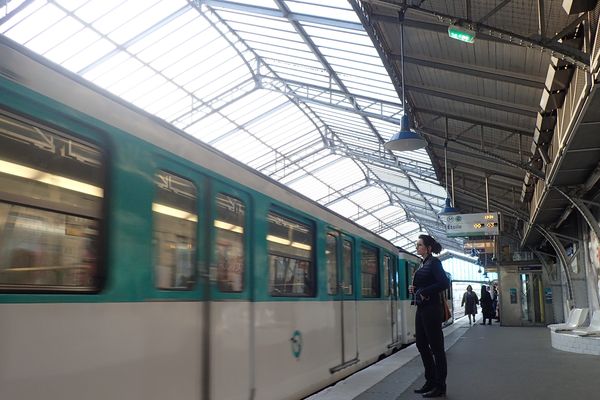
(405, 255)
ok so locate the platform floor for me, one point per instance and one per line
(490, 362)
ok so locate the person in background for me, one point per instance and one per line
(486, 305)
(428, 282)
(495, 302)
(469, 302)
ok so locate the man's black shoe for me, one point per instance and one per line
(435, 392)
(425, 388)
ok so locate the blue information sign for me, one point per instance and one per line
(548, 295)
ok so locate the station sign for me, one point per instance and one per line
(526, 268)
(473, 225)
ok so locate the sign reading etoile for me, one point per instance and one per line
(470, 225)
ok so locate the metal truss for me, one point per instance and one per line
(281, 13)
(349, 98)
(366, 107)
(549, 45)
(472, 70)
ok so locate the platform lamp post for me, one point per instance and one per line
(406, 139)
(448, 208)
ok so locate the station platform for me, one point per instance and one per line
(491, 362)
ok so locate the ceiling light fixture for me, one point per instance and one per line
(448, 208)
(406, 139)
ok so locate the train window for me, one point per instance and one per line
(175, 220)
(348, 268)
(411, 269)
(331, 260)
(369, 272)
(51, 190)
(290, 249)
(229, 224)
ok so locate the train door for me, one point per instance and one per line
(179, 282)
(349, 306)
(231, 310)
(448, 298)
(340, 250)
(391, 288)
(406, 269)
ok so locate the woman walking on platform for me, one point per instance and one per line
(469, 302)
(428, 282)
(486, 305)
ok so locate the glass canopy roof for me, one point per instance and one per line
(293, 88)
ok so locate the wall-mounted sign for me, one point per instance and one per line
(513, 295)
(548, 295)
(470, 225)
(525, 268)
(480, 246)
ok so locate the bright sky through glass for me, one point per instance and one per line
(294, 89)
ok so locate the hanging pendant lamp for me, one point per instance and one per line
(448, 208)
(406, 139)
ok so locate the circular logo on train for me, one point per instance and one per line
(296, 341)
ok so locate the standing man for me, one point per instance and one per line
(428, 283)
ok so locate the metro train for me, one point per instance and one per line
(138, 263)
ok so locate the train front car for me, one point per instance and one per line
(138, 263)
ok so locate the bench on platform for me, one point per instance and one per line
(573, 337)
(577, 317)
(593, 329)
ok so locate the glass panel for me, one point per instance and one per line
(175, 221)
(331, 260)
(50, 204)
(43, 249)
(348, 268)
(386, 276)
(369, 272)
(411, 269)
(290, 249)
(525, 297)
(230, 228)
(537, 296)
(36, 23)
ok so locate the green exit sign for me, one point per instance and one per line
(462, 34)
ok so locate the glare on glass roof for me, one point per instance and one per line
(294, 89)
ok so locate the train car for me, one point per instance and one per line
(138, 263)
(408, 264)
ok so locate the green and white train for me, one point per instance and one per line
(138, 263)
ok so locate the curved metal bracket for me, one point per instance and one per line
(584, 211)
(562, 256)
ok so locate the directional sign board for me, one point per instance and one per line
(470, 225)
